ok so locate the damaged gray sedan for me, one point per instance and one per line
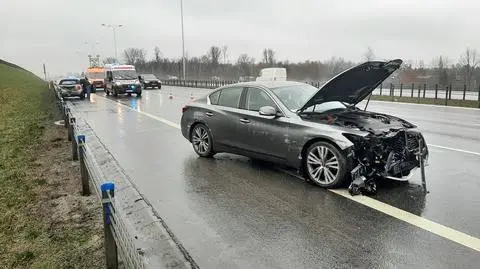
(321, 132)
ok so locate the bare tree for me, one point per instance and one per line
(224, 53)
(369, 55)
(214, 55)
(442, 65)
(469, 62)
(109, 60)
(157, 54)
(134, 56)
(244, 62)
(268, 57)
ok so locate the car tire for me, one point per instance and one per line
(107, 92)
(202, 142)
(115, 93)
(325, 165)
(160, 87)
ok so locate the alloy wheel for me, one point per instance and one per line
(323, 165)
(200, 140)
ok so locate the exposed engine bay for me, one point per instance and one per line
(391, 149)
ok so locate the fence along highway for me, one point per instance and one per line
(230, 212)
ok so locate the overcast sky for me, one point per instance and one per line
(54, 32)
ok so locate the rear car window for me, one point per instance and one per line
(214, 98)
(230, 97)
(69, 82)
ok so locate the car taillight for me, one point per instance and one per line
(184, 108)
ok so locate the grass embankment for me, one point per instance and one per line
(44, 222)
(430, 101)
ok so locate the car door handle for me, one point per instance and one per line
(209, 114)
(244, 121)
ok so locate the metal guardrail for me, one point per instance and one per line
(133, 233)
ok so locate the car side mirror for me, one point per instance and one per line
(268, 111)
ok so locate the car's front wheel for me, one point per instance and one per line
(325, 165)
(202, 140)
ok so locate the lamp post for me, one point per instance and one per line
(114, 28)
(183, 39)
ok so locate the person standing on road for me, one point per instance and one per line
(86, 87)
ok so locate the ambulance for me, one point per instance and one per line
(122, 79)
(95, 76)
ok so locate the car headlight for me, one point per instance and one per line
(118, 83)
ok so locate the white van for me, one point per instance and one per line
(121, 79)
(273, 73)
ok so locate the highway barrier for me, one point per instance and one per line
(134, 235)
(412, 93)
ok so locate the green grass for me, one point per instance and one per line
(27, 110)
(430, 101)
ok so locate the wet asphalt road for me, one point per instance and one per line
(231, 213)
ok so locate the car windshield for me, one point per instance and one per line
(124, 74)
(68, 82)
(149, 76)
(294, 97)
(95, 75)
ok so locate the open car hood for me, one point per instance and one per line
(354, 84)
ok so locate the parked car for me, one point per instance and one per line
(150, 80)
(71, 87)
(321, 132)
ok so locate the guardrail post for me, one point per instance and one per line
(70, 128)
(446, 95)
(84, 176)
(65, 117)
(464, 91)
(392, 91)
(436, 91)
(450, 93)
(424, 90)
(74, 149)
(401, 89)
(413, 87)
(419, 89)
(108, 192)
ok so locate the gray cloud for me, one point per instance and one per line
(54, 31)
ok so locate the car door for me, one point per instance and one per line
(261, 134)
(223, 116)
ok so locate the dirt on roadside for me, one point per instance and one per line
(67, 228)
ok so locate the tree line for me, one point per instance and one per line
(215, 64)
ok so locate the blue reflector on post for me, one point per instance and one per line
(107, 186)
(81, 138)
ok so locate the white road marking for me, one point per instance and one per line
(454, 149)
(420, 222)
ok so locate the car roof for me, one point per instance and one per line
(269, 84)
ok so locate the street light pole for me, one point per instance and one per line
(183, 39)
(114, 28)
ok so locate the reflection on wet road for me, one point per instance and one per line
(232, 213)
